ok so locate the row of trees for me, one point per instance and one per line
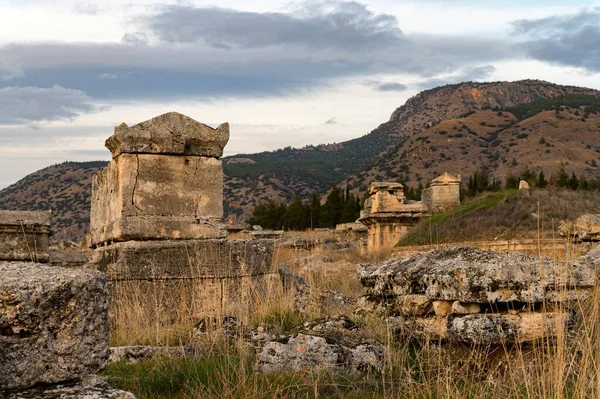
(339, 207)
(480, 181)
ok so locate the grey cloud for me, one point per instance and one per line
(570, 40)
(347, 25)
(465, 75)
(275, 54)
(385, 86)
(32, 105)
(332, 121)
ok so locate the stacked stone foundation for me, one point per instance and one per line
(24, 236)
(465, 295)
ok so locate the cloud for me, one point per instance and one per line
(339, 24)
(569, 40)
(467, 74)
(207, 53)
(385, 86)
(31, 105)
(332, 121)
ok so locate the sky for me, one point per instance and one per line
(281, 73)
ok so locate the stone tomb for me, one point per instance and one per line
(24, 236)
(472, 296)
(157, 212)
(388, 214)
(165, 182)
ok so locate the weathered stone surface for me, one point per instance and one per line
(185, 258)
(465, 308)
(172, 134)
(93, 388)
(70, 259)
(412, 304)
(584, 228)
(24, 235)
(326, 344)
(53, 324)
(442, 308)
(472, 275)
(484, 329)
(523, 185)
(149, 196)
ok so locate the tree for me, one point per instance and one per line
(542, 183)
(268, 215)
(295, 217)
(573, 181)
(331, 211)
(315, 211)
(529, 177)
(512, 181)
(351, 210)
(562, 179)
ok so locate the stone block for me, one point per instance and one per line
(150, 197)
(465, 308)
(412, 304)
(53, 324)
(169, 134)
(469, 274)
(442, 308)
(184, 258)
(584, 228)
(24, 236)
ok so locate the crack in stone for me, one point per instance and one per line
(137, 173)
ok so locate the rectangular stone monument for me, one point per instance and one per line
(24, 235)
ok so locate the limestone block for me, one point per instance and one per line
(172, 134)
(412, 304)
(584, 228)
(148, 196)
(184, 258)
(497, 329)
(465, 308)
(53, 324)
(469, 274)
(24, 235)
(442, 308)
(91, 388)
(523, 185)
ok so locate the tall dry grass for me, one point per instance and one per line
(563, 366)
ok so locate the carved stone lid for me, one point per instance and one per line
(26, 218)
(172, 134)
(385, 186)
(445, 179)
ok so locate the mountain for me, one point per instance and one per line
(503, 126)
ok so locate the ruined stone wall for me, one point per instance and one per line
(384, 236)
(24, 236)
(441, 198)
(384, 201)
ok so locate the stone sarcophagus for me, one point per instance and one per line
(165, 182)
(24, 236)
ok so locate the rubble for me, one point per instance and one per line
(584, 228)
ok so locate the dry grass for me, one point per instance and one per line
(567, 366)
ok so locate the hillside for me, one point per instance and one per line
(504, 126)
(506, 215)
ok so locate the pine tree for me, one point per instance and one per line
(331, 211)
(563, 178)
(315, 211)
(542, 183)
(573, 181)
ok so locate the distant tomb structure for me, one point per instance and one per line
(24, 236)
(157, 211)
(388, 215)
